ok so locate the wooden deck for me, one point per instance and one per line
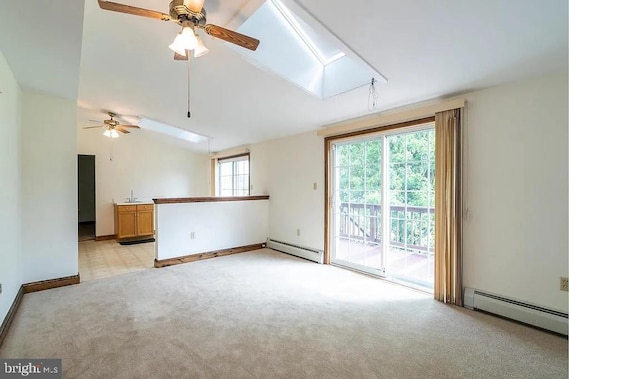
(402, 265)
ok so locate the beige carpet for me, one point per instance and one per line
(264, 314)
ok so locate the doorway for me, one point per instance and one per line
(86, 197)
(102, 256)
(382, 204)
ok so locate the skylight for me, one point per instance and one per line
(170, 130)
(297, 47)
(321, 49)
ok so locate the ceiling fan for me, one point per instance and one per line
(113, 127)
(191, 15)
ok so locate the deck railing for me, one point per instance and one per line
(411, 226)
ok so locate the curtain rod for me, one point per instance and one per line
(391, 116)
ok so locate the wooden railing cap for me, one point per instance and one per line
(178, 200)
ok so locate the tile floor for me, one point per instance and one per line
(102, 259)
(86, 231)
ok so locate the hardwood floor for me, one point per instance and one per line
(102, 259)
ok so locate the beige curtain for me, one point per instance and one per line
(448, 243)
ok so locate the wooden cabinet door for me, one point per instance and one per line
(126, 223)
(145, 220)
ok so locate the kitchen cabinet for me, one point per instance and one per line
(134, 220)
(144, 220)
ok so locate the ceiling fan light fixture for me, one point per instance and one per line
(185, 40)
(178, 45)
(175, 46)
(200, 49)
(110, 133)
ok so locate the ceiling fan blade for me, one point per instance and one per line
(129, 126)
(179, 57)
(122, 130)
(92, 127)
(231, 36)
(122, 8)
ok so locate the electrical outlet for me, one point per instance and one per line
(193, 235)
(0, 287)
(315, 185)
(298, 231)
(564, 284)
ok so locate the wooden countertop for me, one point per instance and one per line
(178, 200)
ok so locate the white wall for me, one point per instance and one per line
(285, 169)
(216, 226)
(49, 189)
(10, 231)
(516, 238)
(144, 162)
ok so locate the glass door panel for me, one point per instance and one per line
(357, 204)
(410, 254)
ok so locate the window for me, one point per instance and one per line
(233, 176)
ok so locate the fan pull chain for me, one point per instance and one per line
(373, 96)
(111, 149)
(188, 84)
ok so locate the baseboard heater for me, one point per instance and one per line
(299, 251)
(531, 314)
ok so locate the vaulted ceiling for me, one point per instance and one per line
(425, 48)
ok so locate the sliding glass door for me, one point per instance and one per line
(382, 205)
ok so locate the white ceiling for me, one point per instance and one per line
(425, 48)
(41, 41)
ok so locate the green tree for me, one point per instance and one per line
(411, 179)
